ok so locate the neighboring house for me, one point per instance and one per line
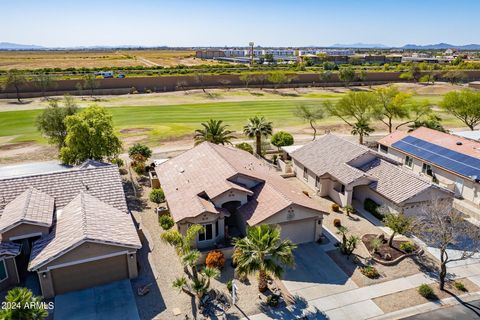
(450, 161)
(472, 135)
(345, 171)
(72, 227)
(226, 189)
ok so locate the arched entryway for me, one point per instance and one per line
(234, 224)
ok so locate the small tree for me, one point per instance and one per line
(90, 82)
(282, 139)
(21, 304)
(417, 112)
(157, 196)
(443, 227)
(346, 75)
(258, 127)
(141, 149)
(348, 244)
(399, 223)
(464, 105)
(391, 104)
(261, 78)
(325, 76)
(200, 80)
(246, 78)
(245, 147)
(43, 81)
(214, 131)
(225, 83)
(182, 84)
(310, 115)
(90, 135)
(51, 121)
(455, 76)
(15, 79)
(362, 128)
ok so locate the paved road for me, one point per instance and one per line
(471, 310)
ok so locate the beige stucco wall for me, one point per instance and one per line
(24, 229)
(230, 195)
(205, 218)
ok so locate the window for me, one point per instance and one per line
(427, 169)
(408, 162)
(208, 234)
(305, 173)
(340, 188)
(383, 148)
(3, 271)
(216, 228)
(317, 182)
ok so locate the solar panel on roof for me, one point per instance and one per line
(451, 160)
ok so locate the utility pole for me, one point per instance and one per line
(251, 44)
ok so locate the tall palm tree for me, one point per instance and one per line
(22, 305)
(213, 131)
(362, 129)
(257, 127)
(263, 251)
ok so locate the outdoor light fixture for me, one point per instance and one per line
(131, 255)
(44, 275)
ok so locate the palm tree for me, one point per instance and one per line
(256, 128)
(23, 306)
(182, 243)
(213, 131)
(362, 129)
(263, 251)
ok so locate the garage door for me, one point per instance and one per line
(299, 231)
(89, 274)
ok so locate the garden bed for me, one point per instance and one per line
(396, 254)
(411, 297)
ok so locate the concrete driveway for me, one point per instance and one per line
(110, 301)
(315, 274)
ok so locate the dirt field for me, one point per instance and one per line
(90, 59)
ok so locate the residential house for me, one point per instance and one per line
(227, 189)
(350, 173)
(448, 160)
(71, 227)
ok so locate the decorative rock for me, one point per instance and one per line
(388, 256)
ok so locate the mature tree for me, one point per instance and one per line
(261, 78)
(214, 131)
(200, 80)
(278, 78)
(428, 78)
(263, 251)
(43, 81)
(90, 135)
(225, 83)
(391, 104)
(15, 79)
(455, 76)
(51, 121)
(464, 105)
(355, 109)
(325, 76)
(90, 82)
(431, 122)
(399, 223)
(414, 73)
(246, 78)
(141, 149)
(245, 147)
(445, 228)
(346, 75)
(310, 115)
(282, 139)
(21, 304)
(258, 127)
(418, 111)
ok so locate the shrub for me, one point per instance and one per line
(245, 147)
(372, 207)
(337, 223)
(273, 300)
(215, 259)
(282, 139)
(166, 221)
(376, 244)
(139, 168)
(229, 285)
(141, 149)
(426, 291)
(157, 196)
(408, 247)
(459, 286)
(335, 207)
(370, 272)
(117, 161)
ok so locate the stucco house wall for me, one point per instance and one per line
(12, 274)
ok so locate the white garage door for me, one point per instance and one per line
(299, 231)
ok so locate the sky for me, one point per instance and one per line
(62, 23)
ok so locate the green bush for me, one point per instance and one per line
(118, 162)
(372, 207)
(157, 196)
(282, 139)
(370, 272)
(337, 223)
(459, 286)
(166, 221)
(408, 247)
(229, 285)
(335, 207)
(141, 149)
(426, 291)
(245, 147)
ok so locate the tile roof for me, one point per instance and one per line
(85, 218)
(103, 182)
(395, 183)
(9, 249)
(449, 141)
(208, 168)
(331, 154)
(31, 206)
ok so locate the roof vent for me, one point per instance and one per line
(459, 143)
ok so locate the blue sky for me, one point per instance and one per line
(235, 23)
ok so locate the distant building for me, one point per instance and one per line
(209, 54)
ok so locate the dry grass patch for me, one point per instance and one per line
(411, 297)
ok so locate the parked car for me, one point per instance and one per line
(121, 76)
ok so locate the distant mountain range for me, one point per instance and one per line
(359, 45)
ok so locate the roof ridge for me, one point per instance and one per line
(73, 169)
(27, 202)
(210, 145)
(84, 213)
(408, 172)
